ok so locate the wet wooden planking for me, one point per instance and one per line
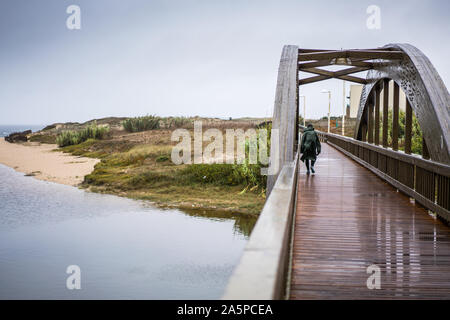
(348, 219)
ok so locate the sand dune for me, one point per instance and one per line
(41, 162)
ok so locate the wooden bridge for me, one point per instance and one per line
(347, 220)
(371, 212)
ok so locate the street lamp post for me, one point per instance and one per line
(304, 109)
(329, 106)
(343, 107)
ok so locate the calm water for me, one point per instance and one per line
(125, 249)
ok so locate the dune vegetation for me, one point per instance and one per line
(137, 164)
(67, 138)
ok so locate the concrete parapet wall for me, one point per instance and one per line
(261, 272)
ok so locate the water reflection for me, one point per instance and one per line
(411, 248)
(126, 250)
(243, 224)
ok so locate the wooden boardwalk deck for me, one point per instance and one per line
(348, 219)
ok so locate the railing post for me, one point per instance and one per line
(385, 112)
(395, 117)
(377, 115)
(425, 152)
(297, 114)
(408, 127)
(426, 181)
(364, 132)
(370, 120)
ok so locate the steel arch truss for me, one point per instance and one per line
(425, 93)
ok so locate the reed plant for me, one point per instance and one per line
(68, 138)
(137, 124)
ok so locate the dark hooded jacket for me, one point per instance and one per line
(310, 146)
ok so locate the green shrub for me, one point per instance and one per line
(225, 174)
(68, 138)
(162, 158)
(250, 175)
(141, 123)
(210, 173)
(127, 159)
(178, 122)
(245, 173)
(416, 138)
(149, 178)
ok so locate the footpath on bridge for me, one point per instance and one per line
(348, 219)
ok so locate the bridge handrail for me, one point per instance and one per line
(428, 182)
(262, 271)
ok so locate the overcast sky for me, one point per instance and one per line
(206, 57)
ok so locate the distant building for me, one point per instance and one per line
(355, 96)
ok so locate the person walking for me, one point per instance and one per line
(310, 147)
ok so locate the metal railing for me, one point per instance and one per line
(426, 181)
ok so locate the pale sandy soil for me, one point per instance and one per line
(40, 161)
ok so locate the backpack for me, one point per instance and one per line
(310, 140)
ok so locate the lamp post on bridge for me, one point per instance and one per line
(304, 109)
(329, 106)
(343, 107)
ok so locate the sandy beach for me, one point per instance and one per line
(41, 162)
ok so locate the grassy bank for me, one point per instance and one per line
(137, 165)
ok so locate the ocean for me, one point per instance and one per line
(8, 129)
